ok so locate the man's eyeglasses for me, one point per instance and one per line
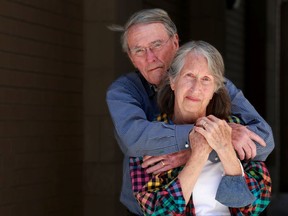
(154, 47)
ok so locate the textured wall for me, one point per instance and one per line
(103, 62)
(41, 74)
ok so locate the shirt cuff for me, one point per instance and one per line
(234, 192)
(182, 136)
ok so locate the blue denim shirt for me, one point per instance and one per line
(132, 104)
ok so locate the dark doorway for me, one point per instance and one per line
(284, 97)
(255, 73)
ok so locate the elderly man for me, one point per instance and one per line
(150, 39)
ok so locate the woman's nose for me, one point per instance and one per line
(196, 85)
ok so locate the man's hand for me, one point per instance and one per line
(163, 163)
(242, 140)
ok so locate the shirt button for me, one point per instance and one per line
(216, 158)
(186, 146)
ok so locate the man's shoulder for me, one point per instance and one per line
(132, 79)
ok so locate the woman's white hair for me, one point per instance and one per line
(202, 48)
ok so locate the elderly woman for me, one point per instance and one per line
(194, 92)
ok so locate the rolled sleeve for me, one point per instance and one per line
(234, 192)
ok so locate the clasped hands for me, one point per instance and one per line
(242, 140)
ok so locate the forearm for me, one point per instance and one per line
(135, 132)
(151, 138)
(190, 173)
(230, 162)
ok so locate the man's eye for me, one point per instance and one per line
(139, 51)
(157, 45)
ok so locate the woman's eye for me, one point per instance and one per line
(206, 79)
(190, 75)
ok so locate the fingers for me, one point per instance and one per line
(240, 152)
(158, 167)
(247, 152)
(154, 164)
(157, 164)
(212, 123)
(255, 137)
(251, 134)
(245, 148)
(146, 157)
(151, 160)
(253, 150)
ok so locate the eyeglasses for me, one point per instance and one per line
(154, 47)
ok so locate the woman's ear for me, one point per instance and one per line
(172, 84)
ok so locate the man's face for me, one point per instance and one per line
(151, 50)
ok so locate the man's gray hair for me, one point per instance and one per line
(145, 16)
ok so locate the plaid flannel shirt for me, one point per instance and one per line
(162, 194)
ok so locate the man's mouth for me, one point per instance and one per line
(155, 68)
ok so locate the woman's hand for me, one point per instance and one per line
(199, 144)
(218, 134)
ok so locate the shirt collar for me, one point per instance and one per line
(150, 89)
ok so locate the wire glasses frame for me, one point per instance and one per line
(154, 47)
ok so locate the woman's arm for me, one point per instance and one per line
(191, 171)
(236, 189)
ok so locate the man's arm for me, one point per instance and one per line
(242, 108)
(129, 106)
(137, 136)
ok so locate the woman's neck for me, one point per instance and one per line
(178, 118)
(186, 117)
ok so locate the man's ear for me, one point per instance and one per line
(176, 41)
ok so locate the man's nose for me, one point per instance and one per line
(150, 56)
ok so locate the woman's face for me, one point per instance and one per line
(193, 88)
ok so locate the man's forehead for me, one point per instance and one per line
(146, 33)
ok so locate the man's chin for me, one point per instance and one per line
(156, 75)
